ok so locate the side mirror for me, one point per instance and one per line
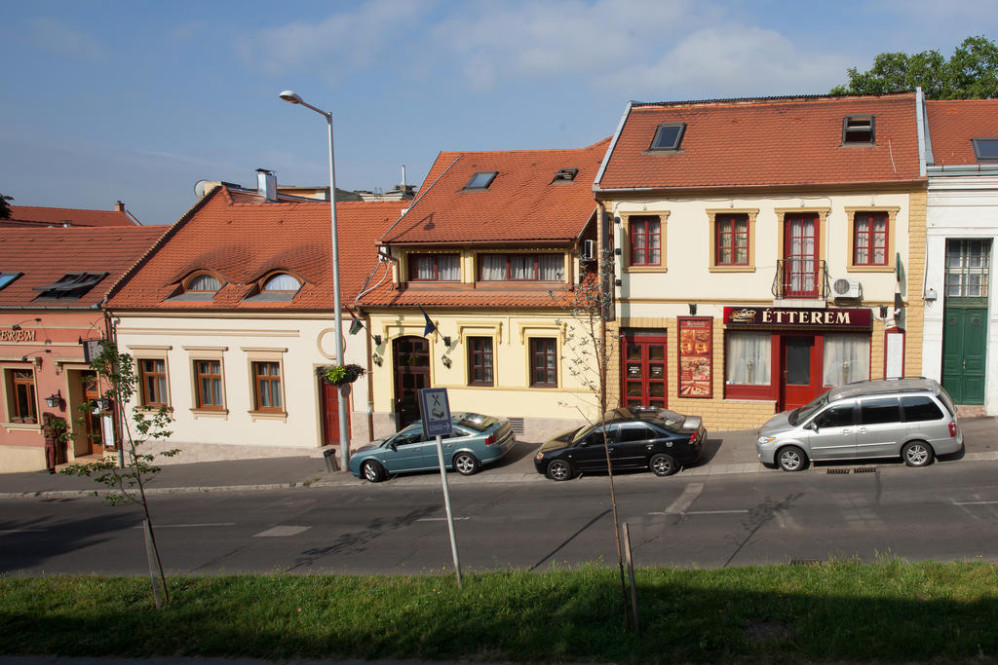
(813, 426)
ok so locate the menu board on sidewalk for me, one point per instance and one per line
(696, 356)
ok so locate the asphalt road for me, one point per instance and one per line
(943, 512)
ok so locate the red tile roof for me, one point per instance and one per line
(522, 204)
(765, 143)
(40, 216)
(952, 125)
(45, 255)
(240, 237)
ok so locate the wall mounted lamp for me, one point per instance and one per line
(377, 340)
(446, 361)
(55, 400)
(617, 282)
(17, 326)
(883, 312)
(446, 340)
(693, 309)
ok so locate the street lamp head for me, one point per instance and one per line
(291, 97)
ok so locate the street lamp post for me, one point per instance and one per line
(292, 98)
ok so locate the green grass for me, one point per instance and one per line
(891, 611)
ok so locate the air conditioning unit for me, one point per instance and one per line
(847, 288)
(588, 250)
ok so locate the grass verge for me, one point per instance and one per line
(890, 611)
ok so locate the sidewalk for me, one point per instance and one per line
(727, 452)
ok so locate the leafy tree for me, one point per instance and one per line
(4, 208)
(971, 73)
(126, 479)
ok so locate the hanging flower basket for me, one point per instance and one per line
(341, 374)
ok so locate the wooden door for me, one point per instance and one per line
(800, 371)
(644, 371)
(91, 420)
(331, 413)
(412, 373)
(965, 336)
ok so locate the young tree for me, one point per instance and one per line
(587, 353)
(127, 479)
(972, 73)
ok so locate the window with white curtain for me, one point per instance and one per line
(847, 359)
(436, 267)
(747, 360)
(522, 267)
(281, 281)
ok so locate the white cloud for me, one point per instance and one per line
(730, 61)
(339, 44)
(567, 37)
(63, 40)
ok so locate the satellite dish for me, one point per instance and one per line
(200, 188)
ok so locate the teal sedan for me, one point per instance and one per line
(474, 442)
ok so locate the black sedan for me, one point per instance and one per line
(656, 439)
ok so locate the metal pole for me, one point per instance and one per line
(450, 517)
(341, 402)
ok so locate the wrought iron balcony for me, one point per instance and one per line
(804, 279)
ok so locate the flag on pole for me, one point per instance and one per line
(429, 324)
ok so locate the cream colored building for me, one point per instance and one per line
(765, 251)
(475, 288)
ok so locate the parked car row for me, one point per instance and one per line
(914, 419)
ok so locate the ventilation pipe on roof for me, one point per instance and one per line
(266, 184)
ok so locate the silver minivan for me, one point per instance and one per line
(911, 418)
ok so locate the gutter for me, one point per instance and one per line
(963, 169)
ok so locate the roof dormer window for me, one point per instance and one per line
(565, 175)
(858, 129)
(8, 277)
(481, 180)
(668, 136)
(203, 283)
(281, 281)
(986, 150)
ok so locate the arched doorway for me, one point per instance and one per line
(412, 373)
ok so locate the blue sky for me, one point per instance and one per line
(106, 100)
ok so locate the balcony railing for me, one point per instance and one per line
(805, 279)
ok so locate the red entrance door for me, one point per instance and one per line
(331, 413)
(800, 371)
(644, 370)
(800, 253)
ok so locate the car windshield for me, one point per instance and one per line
(582, 432)
(801, 414)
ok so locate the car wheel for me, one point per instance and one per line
(372, 471)
(559, 469)
(917, 453)
(465, 464)
(792, 458)
(663, 465)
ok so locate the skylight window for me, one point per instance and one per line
(986, 150)
(8, 277)
(481, 180)
(566, 175)
(858, 129)
(71, 285)
(668, 136)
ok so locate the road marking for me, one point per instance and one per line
(685, 500)
(441, 519)
(188, 526)
(282, 531)
(974, 503)
(715, 512)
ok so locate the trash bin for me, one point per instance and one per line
(332, 463)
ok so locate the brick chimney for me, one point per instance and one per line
(119, 206)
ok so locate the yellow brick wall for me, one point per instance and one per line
(914, 274)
